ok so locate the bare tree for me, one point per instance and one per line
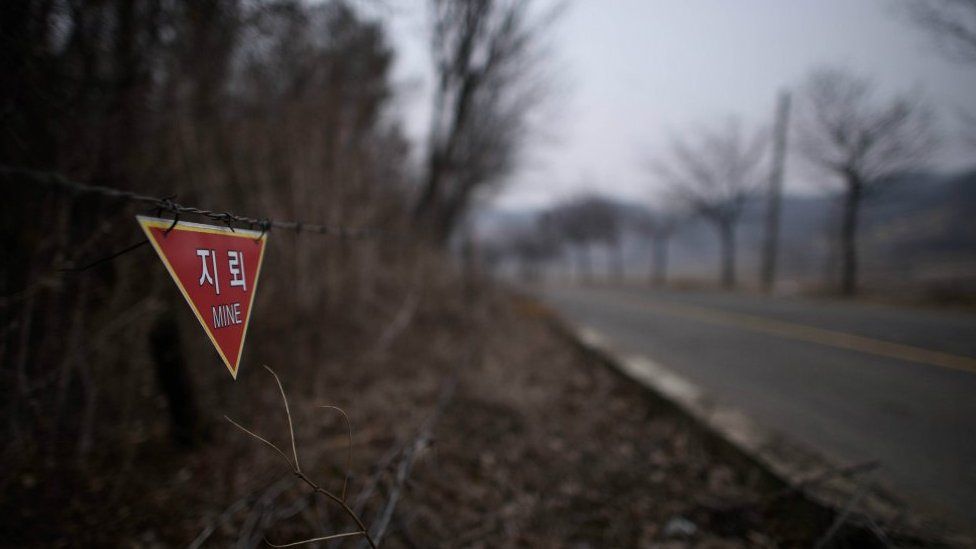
(715, 175)
(657, 225)
(603, 219)
(586, 221)
(560, 220)
(951, 23)
(952, 26)
(486, 59)
(849, 133)
(532, 246)
(280, 107)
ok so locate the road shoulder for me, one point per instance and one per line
(843, 490)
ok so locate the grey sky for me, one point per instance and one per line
(631, 73)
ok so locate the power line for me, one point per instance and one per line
(58, 181)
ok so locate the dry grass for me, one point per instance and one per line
(540, 447)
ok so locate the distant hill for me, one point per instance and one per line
(918, 229)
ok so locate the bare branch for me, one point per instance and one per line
(715, 173)
(291, 428)
(304, 478)
(313, 540)
(264, 440)
(487, 56)
(846, 131)
(345, 480)
(950, 23)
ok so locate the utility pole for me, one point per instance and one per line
(771, 243)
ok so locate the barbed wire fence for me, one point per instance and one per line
(10, 175)
(398, 462)
(168, 204)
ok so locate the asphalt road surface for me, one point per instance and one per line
(854, 381)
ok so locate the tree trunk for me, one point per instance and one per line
(618, 261)
(450, 215)
(848, 236)
(431, 191)
(726, 230)
(435, 163)
(583, 267)
(659, 269)
(164, 343)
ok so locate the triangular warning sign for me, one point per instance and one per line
(217, 271)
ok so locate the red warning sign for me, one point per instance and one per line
(217, 271)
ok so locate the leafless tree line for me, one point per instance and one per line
(487, 58)
(276, 108)
(843, 128)
(845, 131)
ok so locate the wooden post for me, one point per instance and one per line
(771, 243)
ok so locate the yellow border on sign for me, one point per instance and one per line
(147, 222)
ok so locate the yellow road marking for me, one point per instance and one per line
(802, 332)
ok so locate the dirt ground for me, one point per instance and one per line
(544, 446)
(540, 445)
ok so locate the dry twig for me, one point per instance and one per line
(345, 479)
(842, 517)
(296, 469)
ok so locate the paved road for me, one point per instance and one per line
(857, 382)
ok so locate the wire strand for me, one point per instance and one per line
(56, 180)
(105, 259)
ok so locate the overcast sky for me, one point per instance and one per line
(630, 73)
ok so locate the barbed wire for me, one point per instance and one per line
(168, 204)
